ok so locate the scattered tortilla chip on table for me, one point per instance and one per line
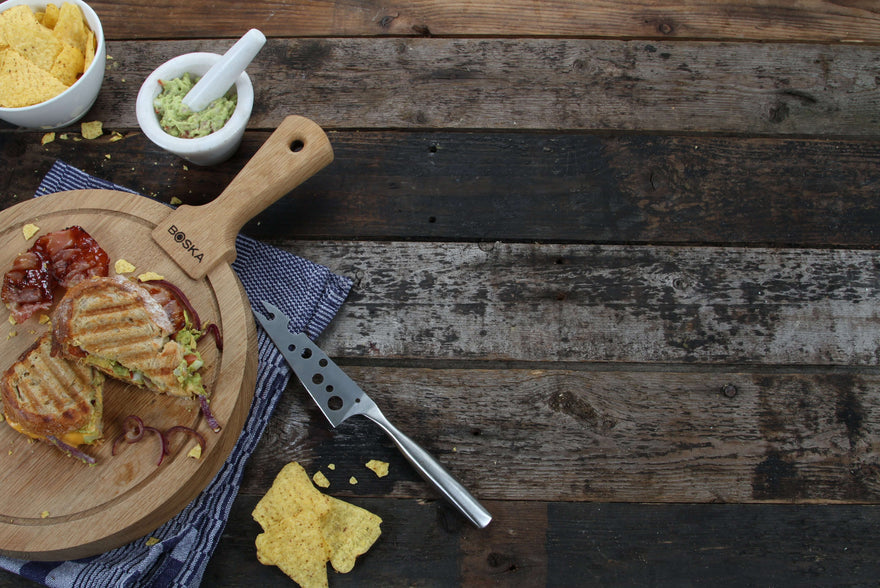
(380, 468)
(92, 129)
(304, 529)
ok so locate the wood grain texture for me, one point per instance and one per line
(574, 303)
(543, 84)
(454, 186)
(599, 434)
(809, 20)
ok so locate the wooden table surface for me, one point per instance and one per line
(615, 266)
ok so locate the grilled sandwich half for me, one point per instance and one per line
(116, 326)
(52, 399)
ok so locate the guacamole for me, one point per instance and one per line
(179, 121)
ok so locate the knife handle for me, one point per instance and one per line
(431, 470)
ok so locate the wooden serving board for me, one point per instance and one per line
(55, 507)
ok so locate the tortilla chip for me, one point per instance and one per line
(29, 230)
(349, 531)
(32, 40)
(50, 16)
(68, 65)
(297, 547)
(92, 129)
(123, 267)
(321, 480)
(303, 529)
(380, 468)
(23, 84)
(91, 46)
(71, 28)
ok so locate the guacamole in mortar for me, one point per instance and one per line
(179, 121)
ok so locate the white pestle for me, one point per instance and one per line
(222, 75)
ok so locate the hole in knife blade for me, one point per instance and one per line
(317, 378)
(329, 388)
(323, 362)
(291, 347)
(307, 353)
(334, 403)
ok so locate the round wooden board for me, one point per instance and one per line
(55, 507)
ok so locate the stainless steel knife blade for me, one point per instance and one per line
(339, 398)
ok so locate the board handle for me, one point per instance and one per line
(199, 237)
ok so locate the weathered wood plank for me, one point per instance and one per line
(594, 435)
(536, 302)
(597, 85)
(592, 544)
(524, 186)
(811, 20)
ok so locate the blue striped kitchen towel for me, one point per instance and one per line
(308, 293)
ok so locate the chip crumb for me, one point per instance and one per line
(116, 136)
(106, 156)
(2, 418)
(12, 320)
(11, 335)
(63, 136)
(92, 129)
(185, 167)
(44, 514)
(195, 452)
(45, 319)
(352, 480)
(380, 468)
(123, 267)
(47, 138)
(175, 201)
(150, 276)
(321, 480)
(29, 230)
(331, 466)
(151, 541)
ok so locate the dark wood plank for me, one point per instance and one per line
(545, 84)
(636, 189)
(595, 544)
(811, 20)
(594, 434)
(574, 303)
(586, 544)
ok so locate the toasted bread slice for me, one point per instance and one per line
(115, 325)
(46, 397)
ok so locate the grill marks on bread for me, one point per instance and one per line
(47, 395)
(116, 320)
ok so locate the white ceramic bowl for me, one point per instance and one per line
(211, 149)
(72, 104)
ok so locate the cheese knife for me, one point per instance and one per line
(339, 398)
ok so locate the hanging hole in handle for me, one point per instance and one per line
(297, 145)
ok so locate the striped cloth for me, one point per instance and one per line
(310, 295)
